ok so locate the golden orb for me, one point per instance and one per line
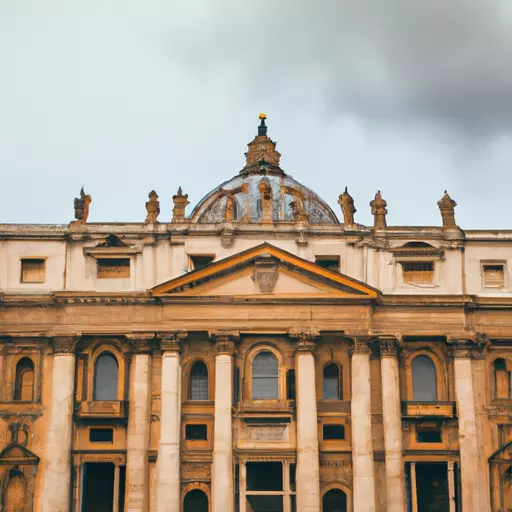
(262, 116)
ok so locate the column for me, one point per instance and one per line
(222, 499)
(392, 421)
(468, 444)
(137, 442)
(361, 427)
(168, 489)
(56, 491)
(308, 464)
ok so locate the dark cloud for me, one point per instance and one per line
(441, 60)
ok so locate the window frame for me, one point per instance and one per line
(26, 259)
(494, 263)
(328, 258)
(247, 377)
(407, 276)
(441, 373)
(340, 381)
(193, 363)
(494, 386)
(104, 353)
(191, 257)
(18, 380)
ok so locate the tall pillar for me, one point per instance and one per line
(468, 440)
(308, 464)
(361, 427)
(168, 489)
(56, 491)
(137, 442)
(222, 466)
(392, 420)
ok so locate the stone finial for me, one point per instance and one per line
(379, 211)
(152, 208)
(447, 206)
(82, 207)
(348, 209)
(180, 203)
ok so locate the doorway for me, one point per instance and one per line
(195, 501)
(334, 500)
(98, 487)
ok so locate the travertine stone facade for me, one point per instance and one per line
(255, 355)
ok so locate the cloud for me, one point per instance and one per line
(443, 61)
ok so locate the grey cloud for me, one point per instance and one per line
(442, 60)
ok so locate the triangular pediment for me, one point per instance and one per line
(265, 270)
(15, 453)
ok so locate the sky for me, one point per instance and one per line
(123, 97)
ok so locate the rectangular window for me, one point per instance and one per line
(329, 262)
(32, 270)
(113, 268)
(200, 261)
(101, 435)
(333, 432)
(264, 476)
(196, 432)
(494, 276)
(430, 435)
(418, 271)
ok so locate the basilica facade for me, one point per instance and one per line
(260, 354)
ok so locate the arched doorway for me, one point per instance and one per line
(334, 500)
(195, 501)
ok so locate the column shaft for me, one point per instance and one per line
(168, 490)
(392, 420)
(468, 444)
(361, 427)
(222, 466)
(308, 466)
(137, 466)
(56, 492)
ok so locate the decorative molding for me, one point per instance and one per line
(469, 348)
(266, 273)
(139, 343)
(361, 345)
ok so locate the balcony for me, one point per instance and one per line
(416, 410)
(102, 409)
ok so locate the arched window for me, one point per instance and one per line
(15, 495)
(24, 381)
(502, 381)
(334, 500)
(198, 382)
(106, 377)
(265, 377)
(195, 501)
(332, 382)
(424, 379)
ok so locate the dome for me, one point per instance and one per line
(262, 192)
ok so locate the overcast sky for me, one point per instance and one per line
(410, 97)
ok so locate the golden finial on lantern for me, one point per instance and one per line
(262, 115)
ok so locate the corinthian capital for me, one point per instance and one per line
(361, 344)
(170, 341)
(139, 342)
(64, 344)
(306, 340)
(225, 341)
(465, 348)
(388, 346)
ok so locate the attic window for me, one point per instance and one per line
(494, 276)
(32, 270)
(418, 271)
(113, 268)
(328, 262)
(200, 261)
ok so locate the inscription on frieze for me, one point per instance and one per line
(279, 433)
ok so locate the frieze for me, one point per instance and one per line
(279, 433)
